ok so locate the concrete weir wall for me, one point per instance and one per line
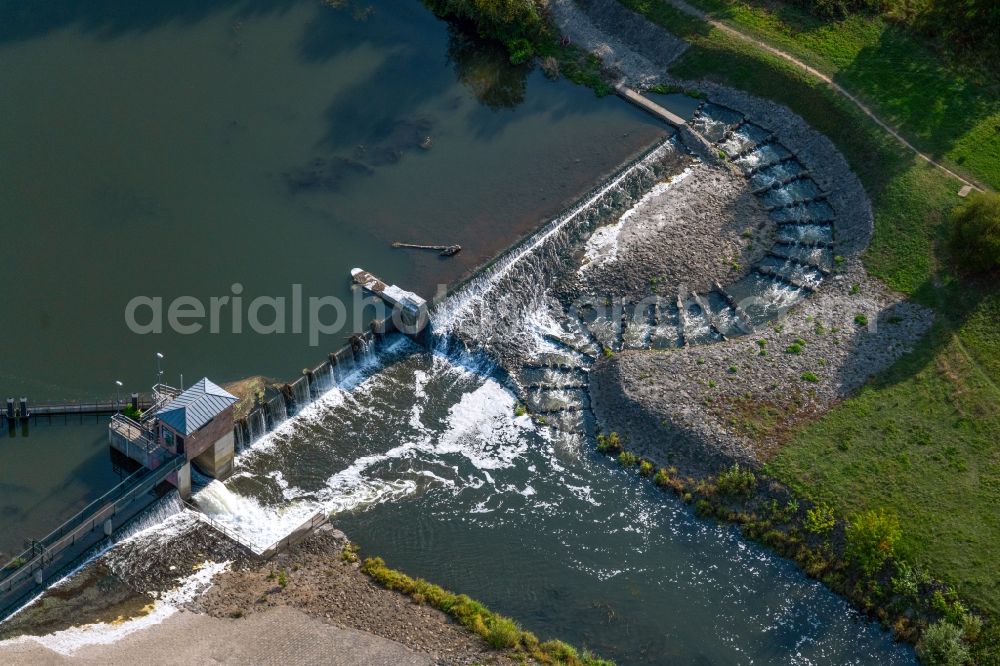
(313, 383)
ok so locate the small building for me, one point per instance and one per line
(196, 424)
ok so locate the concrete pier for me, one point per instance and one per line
(409, 311)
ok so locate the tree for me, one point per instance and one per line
(942, 645)
(975, 233)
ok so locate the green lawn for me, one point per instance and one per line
(922, 439)
(950, 112)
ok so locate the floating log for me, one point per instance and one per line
(445, 250)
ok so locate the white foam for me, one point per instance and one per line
(480, 427)
(260, 525)
(69, 641)
(602, 246)
(453, 310)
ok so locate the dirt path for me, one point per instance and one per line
(688, 9)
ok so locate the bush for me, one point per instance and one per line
(609, 444)
(502, 632)
(282, 578)
(942, 645)
(861, 320)
(736, 480)
(905, 583)
(349, 554)
(975, 233)
(871, 539)
(627, 459)
(662, 477)
(820, 519)
(810, 377)
(521, 51)
(132, 413)
(645, 467)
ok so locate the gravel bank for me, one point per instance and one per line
(701, 408)
(323, 586)
(612, 32)
(327, 613)
(704, 226)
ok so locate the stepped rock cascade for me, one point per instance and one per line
(670, 252)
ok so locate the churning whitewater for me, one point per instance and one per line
(430, 459)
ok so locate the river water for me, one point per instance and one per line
(173, 149)
(419, 456)
(423, 461)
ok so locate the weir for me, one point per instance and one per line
(508, 293)
(179, 429)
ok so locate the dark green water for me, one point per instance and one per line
(174, 148)
(424, 464)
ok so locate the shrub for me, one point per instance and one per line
(282, 578)
(609, 444)
(810, 377)
(942, 645)
(662, 478)
(349, 554)
(520, 409)
(871, 539)
(645, 467)
(794, 348)
(502, 632)
(704, 508)
(132, 413)
(627, 459)
(975, 233)
(861, 320)
(904, 583)
(521, 51)
(736, 480)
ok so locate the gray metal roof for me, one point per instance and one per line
(196, 406)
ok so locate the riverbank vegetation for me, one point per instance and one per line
(920, 441)
(500, 632)
(520, 26)
(858, 555)
(918, 444)
(947, 107)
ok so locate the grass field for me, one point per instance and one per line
(949, 111)
(921, 440)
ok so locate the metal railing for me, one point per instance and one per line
(219, 527)
(108, 505)
(162, 396)
(317, 519)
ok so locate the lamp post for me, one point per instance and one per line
(118, 396)
(159, 370)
